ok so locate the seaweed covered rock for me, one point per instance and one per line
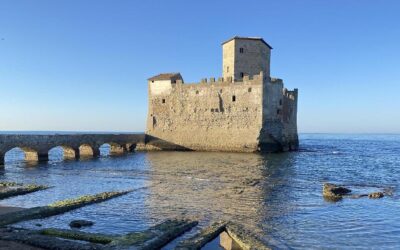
(203, 237)
(335, 192)
(376, 195)
(81, 223)
(58, 207)
(10, 189)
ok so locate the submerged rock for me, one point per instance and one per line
(56, 208)
(203, 237)
(356, 196)
(10, 189)
(78, 235)
(332, 191)
(376, 195)
(81, 223)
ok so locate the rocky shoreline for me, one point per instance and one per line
(154, 237)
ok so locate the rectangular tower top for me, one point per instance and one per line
(248, 38)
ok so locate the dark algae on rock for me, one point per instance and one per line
(334, 192)
(78, 235)
(202, 238)
(57, 207)
(244, 238)
(10, 189)
(157, 236)
(376, 195)
(80, 223)
(153, 238)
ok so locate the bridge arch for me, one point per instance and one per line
(111, 149)
(60, 153)
(87, 151)
(20, 154)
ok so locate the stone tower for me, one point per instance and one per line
(245, 56)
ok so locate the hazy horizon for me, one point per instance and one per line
(83, 66)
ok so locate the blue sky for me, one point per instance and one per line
(82, 65)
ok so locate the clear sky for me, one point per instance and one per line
(82, 65)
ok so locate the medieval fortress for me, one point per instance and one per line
(245, 110)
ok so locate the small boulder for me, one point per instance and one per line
(375, 195)
(333, 191)
(80, 223)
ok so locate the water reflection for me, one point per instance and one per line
(215, 186)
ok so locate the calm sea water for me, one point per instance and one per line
(277, 196)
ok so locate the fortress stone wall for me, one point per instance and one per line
(245, 110)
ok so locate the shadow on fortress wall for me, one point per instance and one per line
(156, 142)
(274, 146)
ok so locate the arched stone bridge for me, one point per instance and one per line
(36, 147)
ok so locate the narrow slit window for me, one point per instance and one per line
(197, 92)
(241, 74)
(249, 90)
(163, 100)
(278, 111)
(227, 69)
(241, 50)
(233, 98)
(280, 102)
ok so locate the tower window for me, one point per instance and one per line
(241, 74)
(241, 50)
(163, 100)
(154, 122)
(280, 102)
(278, 111)
(233, 98)
(249, 90)
(197, 92)
(227, 69)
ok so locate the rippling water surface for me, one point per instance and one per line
(278, 196)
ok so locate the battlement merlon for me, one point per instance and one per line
(162, 84)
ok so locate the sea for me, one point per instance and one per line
(277, 197)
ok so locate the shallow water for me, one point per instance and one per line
(278, 196)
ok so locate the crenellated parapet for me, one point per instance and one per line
(221, 81)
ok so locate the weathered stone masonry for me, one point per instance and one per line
(245, 110)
